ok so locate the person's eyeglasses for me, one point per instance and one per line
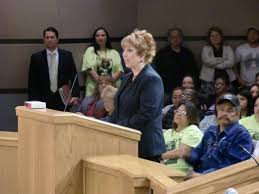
(181, 112)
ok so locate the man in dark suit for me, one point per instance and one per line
(50, 70)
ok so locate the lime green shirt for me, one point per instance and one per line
(93, 61)
(252, 125)
(190, 136)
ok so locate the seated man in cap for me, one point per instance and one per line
(222, 145)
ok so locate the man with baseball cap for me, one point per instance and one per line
(222, 145)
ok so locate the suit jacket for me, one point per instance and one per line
(39, 82)
(138, 105)
(173, 66)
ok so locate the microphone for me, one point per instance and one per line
(243, 148)
(71, 90)
(230, 191)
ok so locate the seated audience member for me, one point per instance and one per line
(100, 58)
(168, 111)
(221, 87)
(184, 136)
(246, 103)
(51, 69)
(217, 59)
(191, 95)
(222, 145)
(173, 62)
(251, 123)
(247, 58)
(176, 99)
(188, 82)
(107, 96)
(257, 78)
(93, 105)
(254, 90)
(209, 119)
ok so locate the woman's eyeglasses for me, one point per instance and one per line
(181, 112)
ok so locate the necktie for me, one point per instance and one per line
(53, 72)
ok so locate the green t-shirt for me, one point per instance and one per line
(190, 136)
(94, 61)
(252, 125)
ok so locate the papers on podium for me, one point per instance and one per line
(35, 104)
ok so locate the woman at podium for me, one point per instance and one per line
(139, 100)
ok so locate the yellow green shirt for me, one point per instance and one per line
(190, 136)
(252, 125)
(93, 61)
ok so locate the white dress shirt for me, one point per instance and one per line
(52, 57)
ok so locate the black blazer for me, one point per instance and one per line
(39, 83)
(138, 105)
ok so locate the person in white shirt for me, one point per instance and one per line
(247, 58)
(217, 59)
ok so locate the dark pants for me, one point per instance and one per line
(54, 102)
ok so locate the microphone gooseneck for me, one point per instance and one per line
(74, 81)
(71, 90)
(243, 148)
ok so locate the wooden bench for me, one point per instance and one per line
(236, 176)
(123, 174)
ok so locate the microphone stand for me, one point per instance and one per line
(73, 84)
(243, 148)
(74, 81)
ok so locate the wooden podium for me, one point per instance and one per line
(52, 145)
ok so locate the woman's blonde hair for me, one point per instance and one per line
(144, 42)
(109, 92)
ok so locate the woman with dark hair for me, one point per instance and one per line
(221, 86)
(254, 90)
(168, 111)
(96, 42)
(192, 95)
(257, 78)
(251, 123)
(188, 82)
(99, 59)
(182, 137)
(216, 58)
(246, 103)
